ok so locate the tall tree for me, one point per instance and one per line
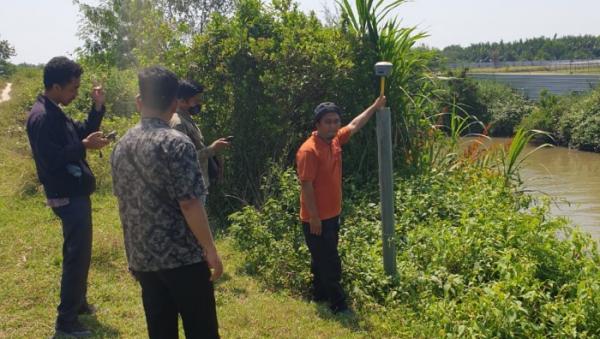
(194, 13)
(127, 32)
(541, 48)
(111, 29)
(6, 51)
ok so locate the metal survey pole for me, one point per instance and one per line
(386, 181)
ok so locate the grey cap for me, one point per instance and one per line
(326, 107)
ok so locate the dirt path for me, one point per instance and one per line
(6, 93)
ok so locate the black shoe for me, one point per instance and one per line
(73, 329)
(319, 298)
(318, 295)
(87, 309)
(340, 309)
(346, 313)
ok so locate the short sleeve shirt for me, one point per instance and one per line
(321, 163)
(153, 168)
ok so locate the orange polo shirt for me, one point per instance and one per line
(321, 163)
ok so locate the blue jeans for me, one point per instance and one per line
(76, 218)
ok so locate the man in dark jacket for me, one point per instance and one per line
(59, 147)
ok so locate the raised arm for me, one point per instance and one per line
(94, 119)
(359, 121)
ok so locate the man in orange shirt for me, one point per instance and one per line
(319, 163)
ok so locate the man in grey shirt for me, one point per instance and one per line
(159, 186)
(188, 105)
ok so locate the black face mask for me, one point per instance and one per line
(194, 110)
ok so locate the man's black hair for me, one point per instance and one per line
(61, 70)
(189, 89)
(158, 87)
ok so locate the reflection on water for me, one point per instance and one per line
(571, 177)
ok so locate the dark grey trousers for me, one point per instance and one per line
(76, 220)
(185, 291)
(326, 266)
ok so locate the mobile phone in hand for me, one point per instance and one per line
(112, 136)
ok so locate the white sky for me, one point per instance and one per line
(41, 29)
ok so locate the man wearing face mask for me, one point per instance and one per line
(189, 104)
(319, 165)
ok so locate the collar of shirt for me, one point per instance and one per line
(154, 122)
(49, 103)
(321, 141)
(52, 101)
(187, 118)
(185, 115)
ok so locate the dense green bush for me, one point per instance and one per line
(505, 107)
(545, 114)
(583, 120)
(496, 105)
(264, 70)
(461, 96)
(266, 67)
(573, 120)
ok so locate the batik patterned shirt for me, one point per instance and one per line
(153, 168)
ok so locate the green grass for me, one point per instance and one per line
(31, 259)
(30, 255)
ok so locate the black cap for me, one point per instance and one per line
(326, 107)
(188, 89)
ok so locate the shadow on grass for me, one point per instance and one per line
(225, 277)
(230, 290)
(349, 321)
(106, 259)
(98, 329)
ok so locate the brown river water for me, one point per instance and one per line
(571, 178)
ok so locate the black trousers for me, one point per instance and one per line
(76, 218)
(185, 291)
(326, 266)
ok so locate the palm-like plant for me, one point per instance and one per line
(367, 16)
(382, 37)
(369, 20)
(511, 158)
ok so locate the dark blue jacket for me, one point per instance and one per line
(56, 143)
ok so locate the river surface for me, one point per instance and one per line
(571, 178)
